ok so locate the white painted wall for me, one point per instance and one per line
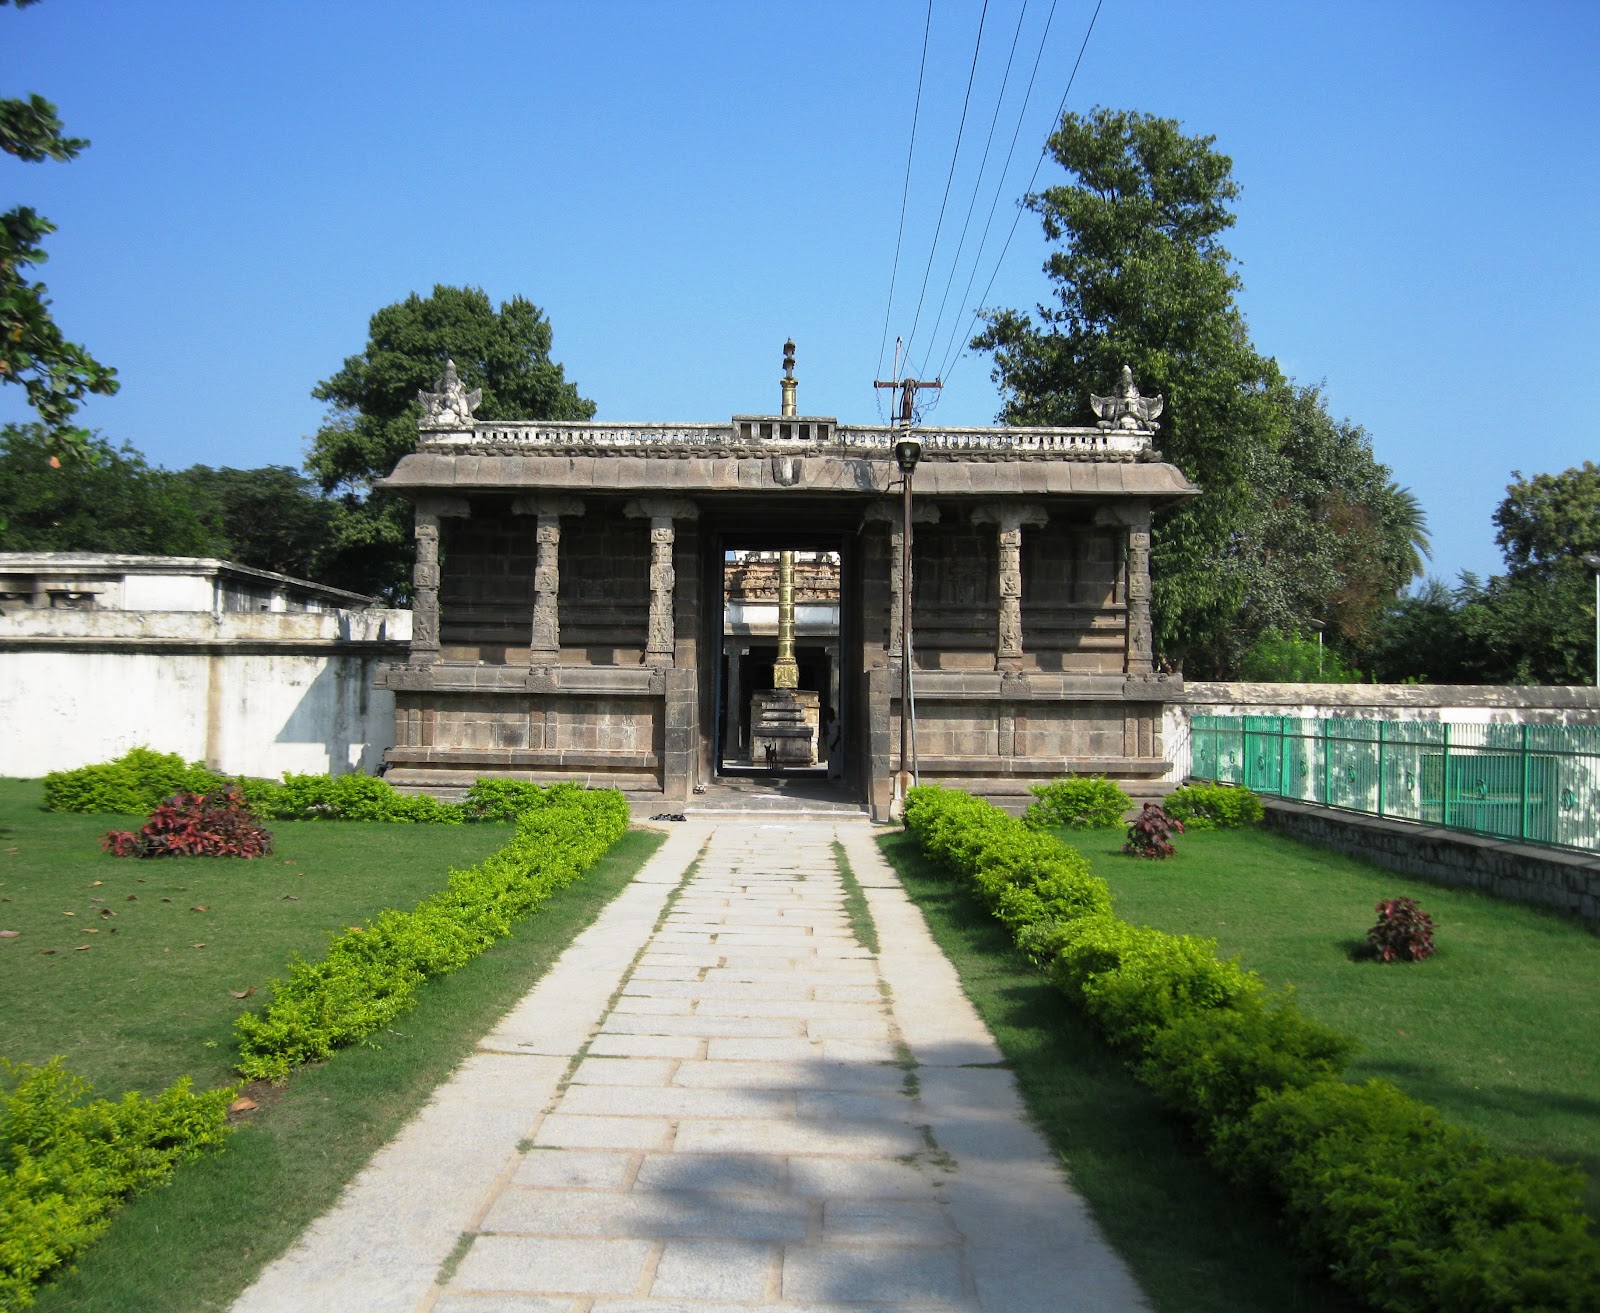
(253, 694)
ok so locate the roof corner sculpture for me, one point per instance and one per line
(452, 405)
(1125, 408)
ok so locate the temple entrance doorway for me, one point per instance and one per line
(784, 687)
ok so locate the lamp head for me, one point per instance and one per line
(907, 452)
(1592, 560)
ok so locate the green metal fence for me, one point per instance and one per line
(1537, 783)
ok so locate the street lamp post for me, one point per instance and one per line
(1592, 560)
(907, 452)
(1318, 626)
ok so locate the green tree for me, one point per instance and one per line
(1327, 535)
(56, 373)
(374, 412)
(1280, 659)
(1141, 278)
(1536, 623)
(271, 518)
(111, 502)
(1297, 521)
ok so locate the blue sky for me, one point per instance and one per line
(680, 186)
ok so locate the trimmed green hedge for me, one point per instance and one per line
(66, 1163)
(1411, 1213)
(371, 973)
(140, 780)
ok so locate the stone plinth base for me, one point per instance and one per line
(786, 721)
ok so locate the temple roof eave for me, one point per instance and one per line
(782, 474)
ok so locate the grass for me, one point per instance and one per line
(151, 997)
(1194, 1245)
(855, 902)
(194, 1244)
(1496, 1029)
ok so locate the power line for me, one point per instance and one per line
(1060, 111)
(949, 178)
(977, 182)
(905, 192)
(999, 189)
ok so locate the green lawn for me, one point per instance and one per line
(1498, 1028)
(116, 969)
(153, 1007)
(1195, 1245)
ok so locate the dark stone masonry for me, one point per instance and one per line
(569, 596)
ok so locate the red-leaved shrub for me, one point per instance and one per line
(195, 825)
(1147, 835)
(1404, 931)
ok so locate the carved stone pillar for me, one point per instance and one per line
(1141, 644)
(662, 638)
(544, 647)
(880, 513)
(425, 575)
(1009, 520)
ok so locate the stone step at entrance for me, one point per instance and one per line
(794, 793)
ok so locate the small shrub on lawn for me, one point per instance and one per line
(372, 973)
(135, 783)
(1215, 807)
(1149, 834)
(195, 825)
(1404, 932)
(1079, 802)
(67, 1162)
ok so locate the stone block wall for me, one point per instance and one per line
(486, 586)
(528, 728)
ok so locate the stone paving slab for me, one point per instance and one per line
(722, 1102)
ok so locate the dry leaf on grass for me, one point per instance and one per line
(83, 948)
(9, 934)
(95, 884)
(199, 908)
(243, 993)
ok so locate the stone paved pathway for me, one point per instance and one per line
(720, 1100)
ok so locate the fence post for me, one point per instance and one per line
(1444, 784)
(1327, 786)
(1381, 725)
(1522, 825)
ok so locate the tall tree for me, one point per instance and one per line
(272, 518)
(56, 373)
(1327, 535)
(1141, 278)
(374, 412)
(111, 502)
(1297, 520)
(1536, 623)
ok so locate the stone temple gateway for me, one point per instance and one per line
(568, 601)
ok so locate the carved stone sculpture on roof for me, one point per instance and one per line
(452, 405)
(1126, 408)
